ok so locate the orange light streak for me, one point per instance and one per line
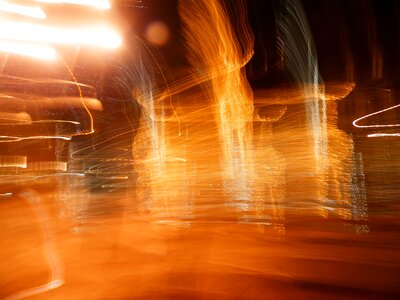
(216, 49)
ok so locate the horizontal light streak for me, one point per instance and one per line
(38, 137)
(27, 49)
(28, 11)
(383, 135)
(101, 4)
(29, 32)
(373, 114)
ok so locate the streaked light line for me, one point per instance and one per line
(94, 35)
(39, 137)
(28, 49)
(6, 195)
(29, 11)
(101, 4)
(56, 268)
(376, 113)
(383, 134)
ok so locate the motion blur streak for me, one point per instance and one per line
(38, 137)
(373, 114)
(150, 152)
(102, 4)
(18, 161)
(160, 173)
(33, 50)
(382, 134)
(56, 278)
(29, 11)
(299, 57)
(216, 49)
(95, 35)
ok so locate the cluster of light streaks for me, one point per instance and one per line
(21, 119)
(206, 149)
(37, 39)
(47, 111)
(217, 143)
(299, 57)
(216, 49)
(169, 155)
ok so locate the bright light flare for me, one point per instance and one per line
(29, 11)
(100, 4)
(100, 36)
(27, 49)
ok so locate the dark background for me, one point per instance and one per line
(347, 34)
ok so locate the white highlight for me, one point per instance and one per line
(28, 49)
(382, 134)
(100, 4)
(39, 137)
(100, 36)
(28, 11)
(376, 113)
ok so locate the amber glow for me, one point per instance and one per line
(229, 165)
(38, 39)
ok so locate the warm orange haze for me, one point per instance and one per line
(157, 149)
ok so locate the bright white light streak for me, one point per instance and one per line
(376, 113)
(100, 36)
(8, 139)
(6, 195)
(372, 135)
(29, 11)
(27, 49)
(101, 4)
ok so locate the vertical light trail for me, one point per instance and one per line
(301, 61)
(215, 49)
(57, 277)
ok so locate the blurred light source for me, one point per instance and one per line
(29, 11)
(157, 33)
(101, 4)
(27, 49)
(94, 35)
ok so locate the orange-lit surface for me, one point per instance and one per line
(214, 189)
(183, 235)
